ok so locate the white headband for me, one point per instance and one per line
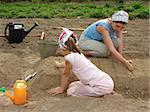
(64, 36)
(120, 16)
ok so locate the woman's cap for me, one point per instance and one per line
(121, 16)
(64, 36)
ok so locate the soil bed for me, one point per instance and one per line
(19, 60)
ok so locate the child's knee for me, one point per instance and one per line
(71, 91)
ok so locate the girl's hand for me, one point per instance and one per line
(55, 91)
(129, 65)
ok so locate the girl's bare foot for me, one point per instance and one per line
(59, 64)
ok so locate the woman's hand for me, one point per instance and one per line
(129, 65)
(55, 91)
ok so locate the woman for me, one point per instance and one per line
(104, 37)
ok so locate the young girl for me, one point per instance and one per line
(92, 81)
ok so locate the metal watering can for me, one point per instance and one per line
(16, 32)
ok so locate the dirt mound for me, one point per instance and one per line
(12, 67)
(48, 76)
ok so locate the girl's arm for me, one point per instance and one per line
(64, 80)
(111, 48)
(65, 75)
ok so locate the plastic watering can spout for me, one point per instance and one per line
(9, 96)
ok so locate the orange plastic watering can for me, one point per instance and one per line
(19, 96)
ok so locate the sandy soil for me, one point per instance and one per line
(19, 60)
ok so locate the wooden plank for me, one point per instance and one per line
(74, 29)
(79, 29)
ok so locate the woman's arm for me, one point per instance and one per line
(111, 47)
(64, 80)
(120, 48)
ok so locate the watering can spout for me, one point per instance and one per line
(26, 32)
(9, 96)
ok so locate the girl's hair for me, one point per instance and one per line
(70, 43)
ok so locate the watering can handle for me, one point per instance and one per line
(6, 31)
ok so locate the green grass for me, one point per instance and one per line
(69, 10)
